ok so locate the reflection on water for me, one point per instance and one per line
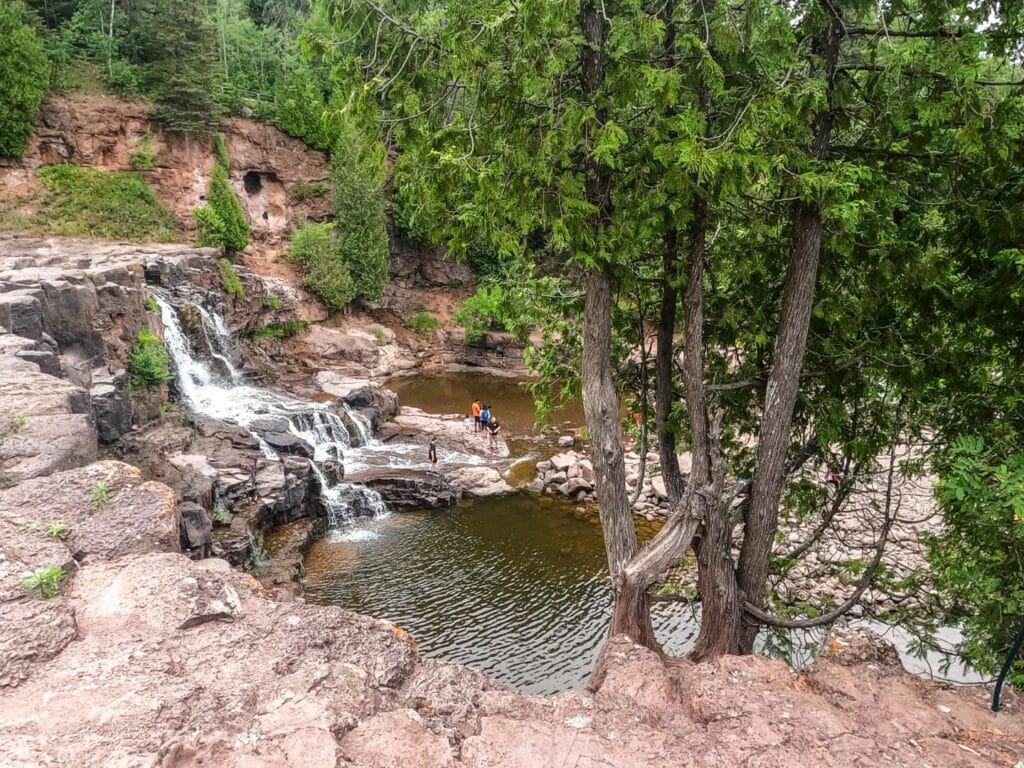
(515, 587)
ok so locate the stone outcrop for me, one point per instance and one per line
(180, 663)
(277, 178)
(404, 490)
(413, 425)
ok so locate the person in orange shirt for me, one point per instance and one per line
(476, 415)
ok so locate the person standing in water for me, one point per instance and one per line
(432, 452)
(476, 415)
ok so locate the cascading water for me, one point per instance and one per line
(226, 399)
(362, 425)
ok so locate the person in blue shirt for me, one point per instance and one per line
(485, 416)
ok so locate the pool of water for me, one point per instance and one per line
(516, 587)
(510, 402)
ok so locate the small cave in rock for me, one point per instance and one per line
(253, 183)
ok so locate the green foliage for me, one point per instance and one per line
(24, 74)
(45, 581)
(978, 559)
(222, 221)
(85, 202)
(148, 363)
(151, 305)
(229, 279)
(221, 515)
(278, 330)
(484, 311)
(57, 530)
(144, 156)
(176, 52)
(379, 335)
(220, 151)
(324, 271)
(359, 218)
(272, 301)
(20, 420)
(306, 190)
(99, 495)
(422, 321)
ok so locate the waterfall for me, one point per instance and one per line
(209, 395)
(219, 341)
(362, 425)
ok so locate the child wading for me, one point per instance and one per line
(432, 452)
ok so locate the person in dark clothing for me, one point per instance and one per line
(432, 452)
(485, 416)
(493, 428)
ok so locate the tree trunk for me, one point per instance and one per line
(601, 406)
(600, 400)
(787, 361)
(663, 368)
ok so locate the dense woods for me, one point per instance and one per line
(788, 235)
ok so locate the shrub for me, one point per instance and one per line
(422, 321)
(57, 530)
(151, 305)
(85, 202)
(220, 151)
(24, 76)
(482, 311)
(359, 217)
(148, 361)
(20, 420)
(229, 279)
(324, 271)
(380, 335)
(144, 156)
(279, 330)
(272, 301)
(222, 221)
(46, 581)
(305, 190)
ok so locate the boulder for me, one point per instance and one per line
(658, 486)
(577, 484)
(555, 478)
(196, 529)
(566, 441)
(543, 466)
(478, 481)
(111, 403)
(562, 461)
(409, 489)
(587, 470)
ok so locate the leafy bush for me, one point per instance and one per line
(380, 335)
(151, 305)
(85, 202)
(57, 530)
(481, 312)
(222, 221)
(229, 279)
(148, 361)
(24, 76)
(422, 321)
(978, 559)
(272, 301)
(324, 271)
(279, 330)
(359, 218)
(46, 581)
(144, 156)
(305, 190)
(220, 151)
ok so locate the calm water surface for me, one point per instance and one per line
(515, 587)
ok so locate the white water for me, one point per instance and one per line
(224, 398)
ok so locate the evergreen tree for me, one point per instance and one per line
(360, 221)
(175, 45)
(222, 221)
(24, 76)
